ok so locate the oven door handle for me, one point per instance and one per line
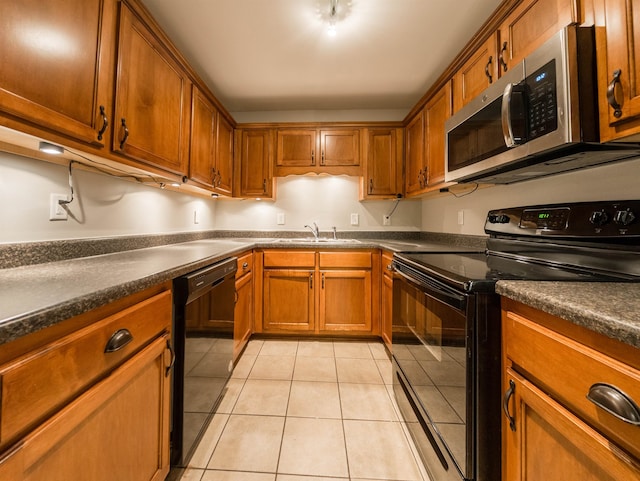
(449, 297)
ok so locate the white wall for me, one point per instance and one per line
(328, 200)
(321, 116)
(619, 181)
(103, 205)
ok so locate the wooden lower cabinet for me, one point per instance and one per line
(119, 429)
(386, 311)
(243, 313)
(319, 292)
(550, 429)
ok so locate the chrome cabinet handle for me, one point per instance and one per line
(505, 404)
(615, 402)
(245, 265)
(105, 123)
(487, 72)
(611, 94)
(118, 340)
(389, 267)
(126, 133)
(173, 359)
(501, 57)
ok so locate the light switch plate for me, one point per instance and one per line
(355, 219)
(280, 218)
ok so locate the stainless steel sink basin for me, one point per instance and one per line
(312, 240)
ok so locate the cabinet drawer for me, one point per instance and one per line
(284, 258)
(566, 370)
(42, 381)
(245, 265)
(345, 259)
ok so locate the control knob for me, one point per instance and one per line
(599, 217)
(498, 219)
(624, 217)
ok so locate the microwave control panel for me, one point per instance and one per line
(542, 102)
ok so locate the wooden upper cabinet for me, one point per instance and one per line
(202, 158)
(152, 102)
(476, 74)
(618, 57)
(253, 171)
(382, 164)
(296, 148)
(530, 25)
(436, 112)
(224, 156)
(415, 175)
(211, 151)
(340, 148)
(317, 150)
(57, 58)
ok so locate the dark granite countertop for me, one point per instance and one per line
(612, 309)
(36, 296)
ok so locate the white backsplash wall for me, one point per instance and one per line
(618, 181)
(103, 205)
(327, 200)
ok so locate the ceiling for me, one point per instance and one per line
(276, 55)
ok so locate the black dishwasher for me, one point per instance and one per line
(203, 305)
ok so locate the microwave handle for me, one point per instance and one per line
(513, 115)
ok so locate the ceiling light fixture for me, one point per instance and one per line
(333, 12)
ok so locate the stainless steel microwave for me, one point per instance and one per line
(539, 118)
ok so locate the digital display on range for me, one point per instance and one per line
(548, 219)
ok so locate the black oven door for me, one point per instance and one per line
(433, 372)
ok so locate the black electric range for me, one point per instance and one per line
(446, 320)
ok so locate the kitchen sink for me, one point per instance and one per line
(312, 240)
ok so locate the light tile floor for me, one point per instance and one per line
(307, 411)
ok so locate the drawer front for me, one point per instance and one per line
(567, 370)
(286, 258)
(331, 259)
(245, 265)
(41, 382)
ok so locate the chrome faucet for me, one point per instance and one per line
(315, 230)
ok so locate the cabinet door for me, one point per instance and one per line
(530, 24)
(436, 112)
(296, 148)
(387, 298)
(255, 164)
(243, 314)
(345, 300)
(224, 157)
(476, 74)
(288, 300)
(117, 430)
(152, 99)
(415, 165)
(340, 148)
(548, 442)
(619, 69)
(203, 140)
(383, 170)
(57, 58)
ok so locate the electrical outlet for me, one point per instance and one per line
(355, 219)
(57, 210)
(461, 217)
(196, 216)
(386, 220)
(280, 218)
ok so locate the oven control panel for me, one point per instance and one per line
(604, 219)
